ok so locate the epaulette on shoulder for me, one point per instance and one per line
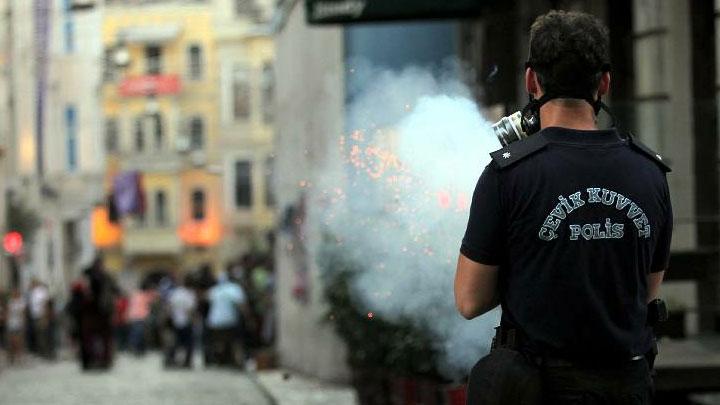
(647, 152)
(518, 150)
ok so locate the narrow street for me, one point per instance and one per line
(133, 381)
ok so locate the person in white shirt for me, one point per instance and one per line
(15, 325)
(182, 304)
(227, 301)
(39, 314)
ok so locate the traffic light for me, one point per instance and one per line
(13, 243)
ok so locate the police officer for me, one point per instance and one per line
(569, 232)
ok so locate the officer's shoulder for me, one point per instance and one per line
(645, 151)
(519, 150)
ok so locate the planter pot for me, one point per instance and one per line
(418, 391)
(455, 394)
(265, 359)
(414, 391)
(371, 387)
(403, 391)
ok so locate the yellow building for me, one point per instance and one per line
(247, 130)
(160, 102)
(187, 98)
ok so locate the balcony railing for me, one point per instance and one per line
(151, 240)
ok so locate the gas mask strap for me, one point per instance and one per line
(531, 112)
(599, 105)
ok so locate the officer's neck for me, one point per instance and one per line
(568, 113)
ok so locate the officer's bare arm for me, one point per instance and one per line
(475, 287)
(654, 281)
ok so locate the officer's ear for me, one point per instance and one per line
(532, 84)
(604, 86)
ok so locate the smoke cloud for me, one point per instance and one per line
(415, 147)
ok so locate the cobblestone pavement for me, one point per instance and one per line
(133, 381)
(294, 389)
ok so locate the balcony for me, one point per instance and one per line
(152, 241)
(153, 162)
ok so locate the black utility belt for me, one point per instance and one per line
(515, 339)
(553, 362)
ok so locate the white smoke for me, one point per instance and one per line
(416, 146)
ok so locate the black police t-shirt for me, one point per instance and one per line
(575, 229)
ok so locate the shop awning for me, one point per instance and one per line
(352, 11)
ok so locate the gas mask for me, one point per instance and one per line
(523, 123)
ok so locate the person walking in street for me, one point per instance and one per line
(120, 321)
(15, 326)
(138, 312)
(39, 318)
(226, 301)
(91, 308)
(181, 303)
(4, 298)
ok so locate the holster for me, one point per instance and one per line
(657, 313)
(505, 376)
(508, 337)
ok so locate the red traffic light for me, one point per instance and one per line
(13, 243)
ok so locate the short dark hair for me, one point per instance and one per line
(569, 51)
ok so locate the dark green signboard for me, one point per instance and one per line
(349, 11)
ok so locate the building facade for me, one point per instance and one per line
(311, 105)
(246, 89)
(6, 130)
(54, 162)
(159, 100)
(184, 92)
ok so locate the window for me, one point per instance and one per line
(50, 253)
(197, 136)
(269, 181)
(70, 246)
(157, 123)
(246, 7)
(160, 208)
(109, 65)
(69, 36)
(140, 220)
(651, 85)
(243, 184)
(71, 137)
(198, 205)
(111, 135)
(139, 135)
(68, 28)
(268, 90)
(241, 93)
(153, 60)
(195, 62)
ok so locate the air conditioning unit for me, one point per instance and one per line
(198, 158)
(182, 143)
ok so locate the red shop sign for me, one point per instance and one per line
(150, 85)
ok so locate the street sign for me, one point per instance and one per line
(351, 11)
(13, 243)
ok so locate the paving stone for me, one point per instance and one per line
(133, 381)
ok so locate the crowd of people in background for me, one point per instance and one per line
(28, 322)
(227, 314)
